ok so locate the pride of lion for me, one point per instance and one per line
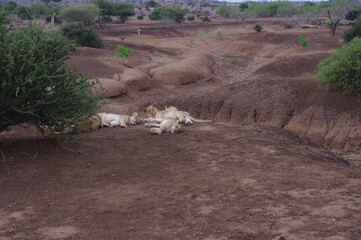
(167, 120)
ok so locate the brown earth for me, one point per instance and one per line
(282, 159)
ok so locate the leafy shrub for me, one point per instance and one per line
(82, 35)
(38, 9)
(353, 14)
(303, 41)
(123, 52)
(353, 31)
(24, 12)
(9, 6)
(4, 18)
(36, 85)
(140, 17)
(151, 3)
(243, 6)
(84, 13)
(257, 28)
(206, 19)
(234, 61)
(342, 69)
(190, 18)
(202, 33)
(217, 34)
(328, 23)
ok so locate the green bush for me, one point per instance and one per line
(82, 35)
(190, 18)
(217, 34)
(123, 52)
(328, 23)
(84, 13)
(353, 31)
(257, 28)
(140, 17)
(24, 12)
(206, 19)
(36, 85)
(303, 41)
(343, 69)
(234, 61)
(353, 14)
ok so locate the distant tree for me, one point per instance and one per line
(228, 11)
(338, 11)
(84, 13)
(151, 4)
(243, 6)
(9, 6)
(48, 1)
(282, 7)
(123, 11)
(175, 14)
(24, 12)
(309, 4)
(257, 10)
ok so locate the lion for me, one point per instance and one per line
(167, 125)
(171, 112)
(113, 120)
(92, 124)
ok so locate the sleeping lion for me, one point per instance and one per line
(171, 112)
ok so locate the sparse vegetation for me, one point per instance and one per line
(342, 70)
(257, 28)
(82, 35)
(303, 41)
(36, 86)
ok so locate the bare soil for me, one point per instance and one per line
(282, 158)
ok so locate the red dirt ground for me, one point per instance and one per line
(282, 159)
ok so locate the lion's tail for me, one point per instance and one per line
(201, 120)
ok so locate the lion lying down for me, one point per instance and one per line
(167, 125)
(171, 112)
(109, 120)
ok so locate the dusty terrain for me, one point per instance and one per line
(282, 158)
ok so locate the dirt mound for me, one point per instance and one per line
(197, 67)
(291, 63)
(110, 87)
(131, 80)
